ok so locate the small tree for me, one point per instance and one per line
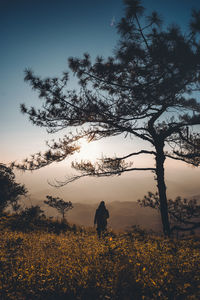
(59, 204)
(10, 191)
(144, 90)
(184, 214)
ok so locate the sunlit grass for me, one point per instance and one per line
(39, 265)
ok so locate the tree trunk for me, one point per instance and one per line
(160, 158)
(63, 216)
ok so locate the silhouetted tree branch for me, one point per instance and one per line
(104, 168)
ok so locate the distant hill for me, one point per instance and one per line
(122, 215)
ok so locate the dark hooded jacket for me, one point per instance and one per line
(101, 216)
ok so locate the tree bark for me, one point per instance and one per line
(160, 158)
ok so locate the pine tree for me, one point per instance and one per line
(59, 204)
(148, 89)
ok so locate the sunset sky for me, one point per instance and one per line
(41, 35)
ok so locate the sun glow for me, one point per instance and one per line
(89, 150)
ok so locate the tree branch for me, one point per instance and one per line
(178, 158)
(141, 32)
(96, 174)
(135, 153)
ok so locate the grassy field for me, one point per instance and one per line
(77, 265)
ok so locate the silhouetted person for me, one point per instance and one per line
(100, 218)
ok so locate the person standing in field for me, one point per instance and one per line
(100, 218)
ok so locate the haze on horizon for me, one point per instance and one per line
(42, 35)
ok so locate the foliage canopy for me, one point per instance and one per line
(10, 191)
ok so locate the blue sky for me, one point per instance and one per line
(42, 34)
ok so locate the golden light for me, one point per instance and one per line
(89, 150)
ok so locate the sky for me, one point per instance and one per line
(41, 35)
